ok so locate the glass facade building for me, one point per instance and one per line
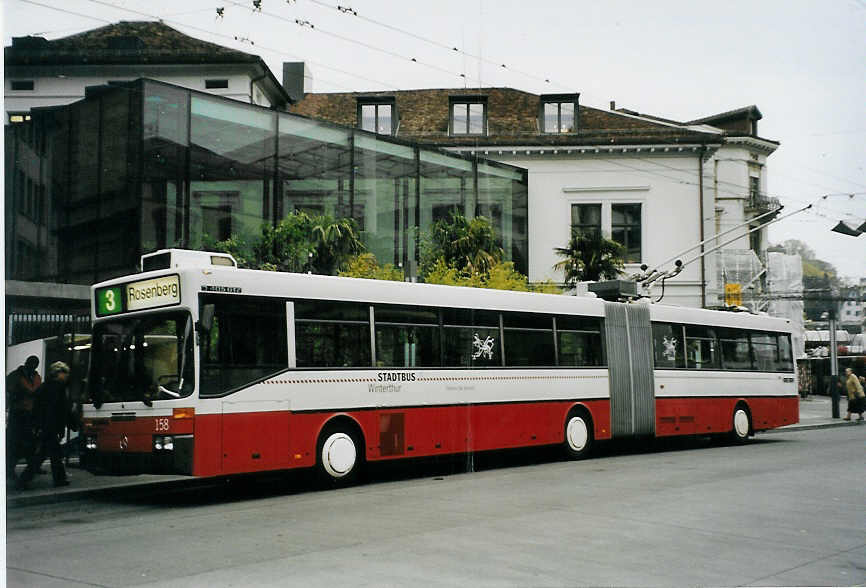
(143, 166)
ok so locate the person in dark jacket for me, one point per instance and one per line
(21, 386)
(51, 414)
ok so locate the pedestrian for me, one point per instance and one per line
(21, 386)
(856, 396)
(51, 413)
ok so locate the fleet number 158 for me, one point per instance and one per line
(160, 424)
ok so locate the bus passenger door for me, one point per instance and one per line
(255, 435)
(628, 340)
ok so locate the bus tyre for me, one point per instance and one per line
(741, 425)
(339, 456)
(578, 435)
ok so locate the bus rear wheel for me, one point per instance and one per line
(339, 456)
(741, 425)
(578, 435)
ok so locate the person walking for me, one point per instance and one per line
(21, 386)
(51, 415)
(856, 396)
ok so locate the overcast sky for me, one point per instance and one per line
(803, 63)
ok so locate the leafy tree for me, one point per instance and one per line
(447, 275)
(366, 266)
(469, 246)
(590, 257)
(235, 245)
(797, 247)
(304, 243)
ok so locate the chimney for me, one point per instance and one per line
(613, 104)
(297, 80)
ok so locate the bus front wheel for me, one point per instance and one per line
(578, 435)
(339, 456)
(741, 424)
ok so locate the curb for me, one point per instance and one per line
(129, 489)
(799, 427)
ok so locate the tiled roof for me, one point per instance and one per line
(750, 112)
(125, 42)
(512, 119)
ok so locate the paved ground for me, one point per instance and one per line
(815, 412)
(786, 509)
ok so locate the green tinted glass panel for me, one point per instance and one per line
(109, 301)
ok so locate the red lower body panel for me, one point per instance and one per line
(231, 443)
(703, 416)
(249, 442)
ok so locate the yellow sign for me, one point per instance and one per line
(733, 295)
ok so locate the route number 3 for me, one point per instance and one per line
(161, 424)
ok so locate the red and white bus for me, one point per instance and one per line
(200, 368)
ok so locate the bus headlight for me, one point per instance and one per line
(163, 443)
(90, 442)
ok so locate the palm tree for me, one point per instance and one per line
(335, 242)
(304, 243)
(467, 245)
(590, 257)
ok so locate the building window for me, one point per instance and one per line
(216, 84)
(585, 219)
(754, 188)
(377, 116)
(468, 116)
(559, 113)
(23, 85)
(625, 229)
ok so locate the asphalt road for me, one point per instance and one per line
(787, 509)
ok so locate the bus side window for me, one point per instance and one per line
(735, 349)
(332, 334)
(785, 363)
(765, 349)
(471, 338)
(668, 347)
(246, 342)
(701, 348)
(407, 336)
(528, 340)
(579, 341)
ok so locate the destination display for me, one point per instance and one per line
(141, 295)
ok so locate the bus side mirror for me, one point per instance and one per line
(205, 322)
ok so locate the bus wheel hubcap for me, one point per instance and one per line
(576, 433)
(338, 455)
(741, 423)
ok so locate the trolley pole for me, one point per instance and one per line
(834, 366)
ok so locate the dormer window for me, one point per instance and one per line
(377, 115)
(468, 115)
(559, 113)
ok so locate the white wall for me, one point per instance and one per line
(666, 185)
(53, 90)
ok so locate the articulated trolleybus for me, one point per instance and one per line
(200, 368)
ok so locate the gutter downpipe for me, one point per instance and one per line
(701, 211)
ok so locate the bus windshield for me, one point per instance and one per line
(142, 359)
